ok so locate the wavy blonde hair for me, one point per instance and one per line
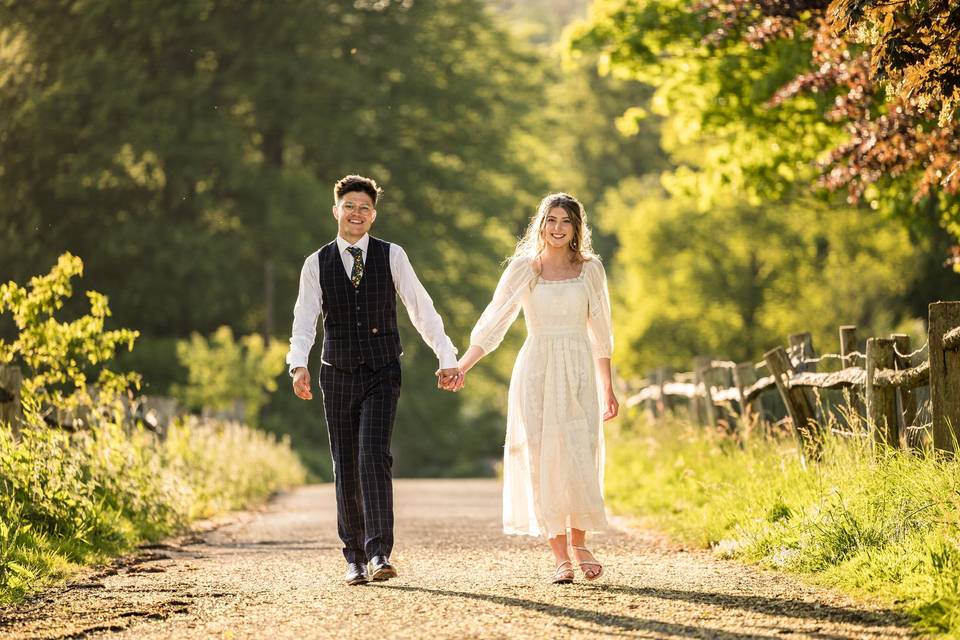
(532, 243)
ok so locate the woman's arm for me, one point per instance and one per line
(470, 358)
(496, 319)
(610, 405)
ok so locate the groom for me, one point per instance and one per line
(353, 283)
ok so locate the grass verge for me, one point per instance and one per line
(70, 499)
(883, 524)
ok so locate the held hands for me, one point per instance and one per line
(455, 378)
(451, 379)
(301, 383)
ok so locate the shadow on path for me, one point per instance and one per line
(762, 604)
(615, 621)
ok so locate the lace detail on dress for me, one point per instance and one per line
(553, 454)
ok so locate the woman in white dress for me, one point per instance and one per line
(561, 390)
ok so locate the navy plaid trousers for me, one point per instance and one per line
(360, 406)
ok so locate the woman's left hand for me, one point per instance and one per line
(610, 405)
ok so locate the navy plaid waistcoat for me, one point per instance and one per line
(359, 323)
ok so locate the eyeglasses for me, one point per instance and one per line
(351, 207)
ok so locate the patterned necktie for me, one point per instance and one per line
(357, 272)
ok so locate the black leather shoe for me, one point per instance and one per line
(356, 573)
(381, 569)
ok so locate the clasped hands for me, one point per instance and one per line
(451, 379)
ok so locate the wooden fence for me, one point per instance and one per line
(733, 394)
(154, 412)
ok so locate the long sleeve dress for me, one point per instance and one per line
(554, 451)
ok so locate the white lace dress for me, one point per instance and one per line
(554, 453)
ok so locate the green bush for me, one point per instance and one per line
(61, 356)
(72, 497)
(222, 371)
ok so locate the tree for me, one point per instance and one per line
(891, 71)
(188, 153)
(731, 246)
(737, 279)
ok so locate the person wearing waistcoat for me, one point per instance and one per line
(352, 283)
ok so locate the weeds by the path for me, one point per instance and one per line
(72, 499)
(881, 523)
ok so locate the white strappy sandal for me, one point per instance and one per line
(588, 565)
(563, 575)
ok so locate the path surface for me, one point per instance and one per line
(276, 573)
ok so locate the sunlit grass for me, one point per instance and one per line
(883, 524)
(68, 500)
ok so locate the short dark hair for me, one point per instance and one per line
(350, 183)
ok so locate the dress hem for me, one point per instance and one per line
(540, 534)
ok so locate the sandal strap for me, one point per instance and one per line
(563, 563)
(589, 563)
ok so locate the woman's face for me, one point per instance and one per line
(557, 228)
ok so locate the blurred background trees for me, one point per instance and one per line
(811, 177)
(187, 153)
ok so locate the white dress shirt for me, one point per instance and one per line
(414, 297)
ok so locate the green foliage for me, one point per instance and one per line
(223, 371)
(73, 498)
(881, 525)
(60, 355)
(718, 128)
(196, 159)
(730, 249)
(737, 279)
(68, 498)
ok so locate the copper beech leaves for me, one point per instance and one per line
(895, 69)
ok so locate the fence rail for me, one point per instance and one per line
(154, 412)
(728, 393)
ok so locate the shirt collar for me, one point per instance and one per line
(363, 243)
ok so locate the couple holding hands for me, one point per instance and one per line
(560, 391)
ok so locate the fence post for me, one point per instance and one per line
(702, 370)
(944, 375)
(744, 375)
(881, 401)
(10, 411)
(802, 343)
(848, 346)
(697, 406)
(665, 406)
(798, 401)
(650, 405)
(906, 400)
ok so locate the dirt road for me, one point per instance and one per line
(276, 573)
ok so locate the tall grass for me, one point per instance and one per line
(879, 523)
(68, 499)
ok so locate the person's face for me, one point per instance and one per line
(557, 228)
(354, 214)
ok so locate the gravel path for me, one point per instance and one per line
(276, 573)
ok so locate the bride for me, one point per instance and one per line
(560, 390)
